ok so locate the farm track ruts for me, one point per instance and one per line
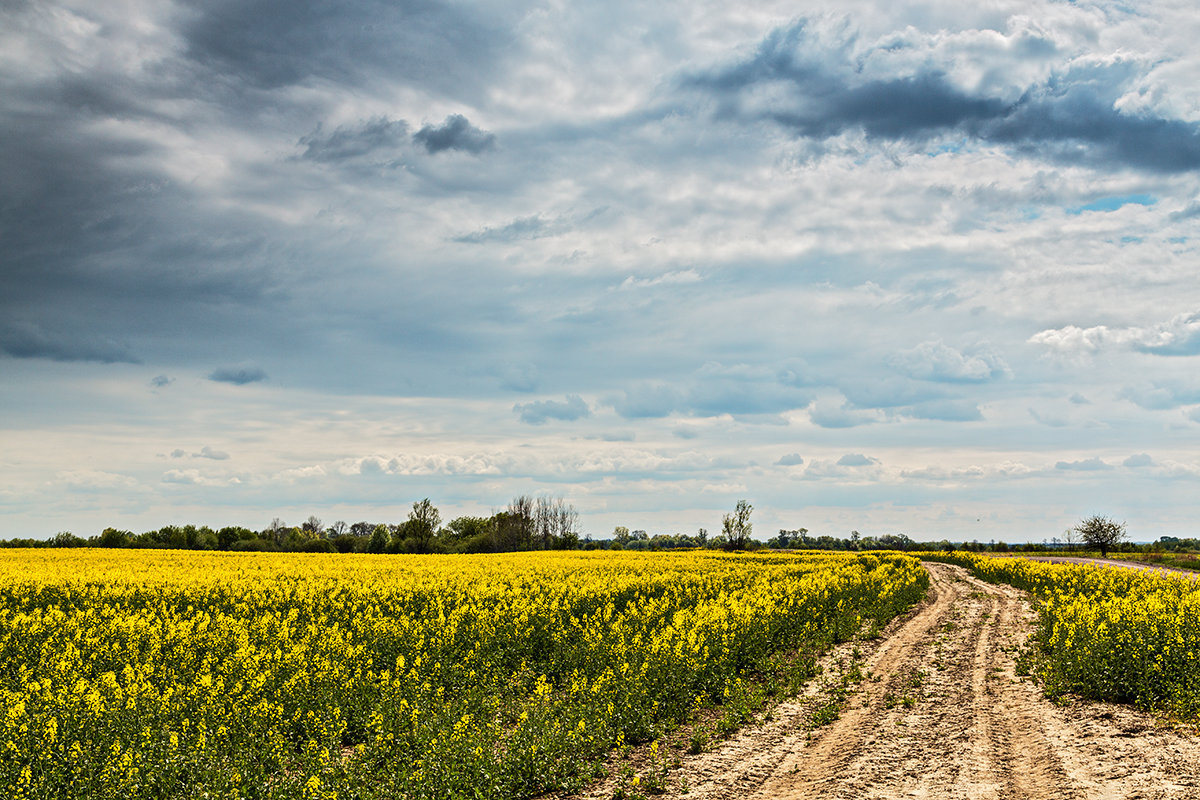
(943, 714)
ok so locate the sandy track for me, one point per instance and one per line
(942, 714)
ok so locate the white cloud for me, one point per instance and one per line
(1178, 336)
(934, 361)
(658, 233)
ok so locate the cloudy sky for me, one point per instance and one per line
(926, 267)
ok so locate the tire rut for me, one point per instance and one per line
(942, 713)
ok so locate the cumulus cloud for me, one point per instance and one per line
(538, 412)
(1072, 339)
(1084, 465)
(1178, 336)
(161, 381)
(647, 400)
(934, 361)
(790, 460)
(1161, 395)
(1138, 460)
(827, 415)
(208, 452)
(239, 376)
(455, 133)
(856, 460)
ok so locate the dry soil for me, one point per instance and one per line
(942, 713)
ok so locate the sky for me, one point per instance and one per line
(895, 267)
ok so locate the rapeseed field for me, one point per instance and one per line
(169, 674)
(1108, 633)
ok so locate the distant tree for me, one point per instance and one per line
(621, 535)
(736, 527)
(111, 537)
(313, 527)
(423, 523)
(363, 529)
(276, 531)
(789, 539)
(471, 534)
(230, 534)
(338, 528)
(1101, 533)
(379, 539)
(898, 541)
(1070, 538)
(702, 537)
(205, 539)
(556, 523)
(254, 545)
(519, 523)
(67, 539)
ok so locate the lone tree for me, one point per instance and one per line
(736, 527)
(1101, 533)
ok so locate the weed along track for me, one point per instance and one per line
(941, 712)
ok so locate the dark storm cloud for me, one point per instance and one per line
(26, 340)
(92, 232)
(239, 376)
(375, 136)
(817, 91)
(455, 133)
(271, 44)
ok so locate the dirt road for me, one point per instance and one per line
(943, 714)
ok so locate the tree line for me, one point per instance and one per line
(550, 523)
(528, 523)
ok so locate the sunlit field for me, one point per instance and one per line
(1108, 633)
(167, 674)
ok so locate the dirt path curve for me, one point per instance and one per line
(942, 714)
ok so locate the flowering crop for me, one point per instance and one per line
(1109, 633)
(160, 674)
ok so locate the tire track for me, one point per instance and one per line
(942, 713)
